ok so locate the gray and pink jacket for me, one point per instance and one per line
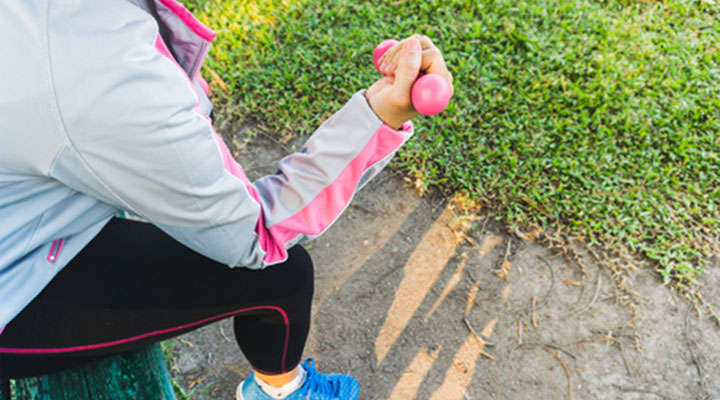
(100, 111)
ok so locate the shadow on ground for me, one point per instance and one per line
(415, 311)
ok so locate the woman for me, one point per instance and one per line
(100, 111)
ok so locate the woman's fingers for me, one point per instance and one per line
(432, 59)
(408, 67)
(388, 62)
(391, 96)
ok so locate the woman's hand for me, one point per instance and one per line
(389, 97)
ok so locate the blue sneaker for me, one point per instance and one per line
(317, 386)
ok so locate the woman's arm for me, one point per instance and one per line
(134, 138)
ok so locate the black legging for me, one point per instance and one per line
(133, 285)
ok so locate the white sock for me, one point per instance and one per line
(285, 390)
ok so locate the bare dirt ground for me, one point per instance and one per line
(415, 311)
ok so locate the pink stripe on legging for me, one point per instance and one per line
(155, 333)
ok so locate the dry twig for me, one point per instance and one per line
(565, 367)
(470, 301)
(505, 268)
(482, 228)
(216, 78)
(482, 339)
(552, 283)
(587, 307)
(486, 354)
(275, 140)
(550, 290)
(556, 347)
(224, 335)
(483, 342)
(520, 332)
(608, 338)
(195, 382)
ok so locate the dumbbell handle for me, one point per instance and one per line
(430, 92)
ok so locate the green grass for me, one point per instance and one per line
(171, 355)
(596, 118)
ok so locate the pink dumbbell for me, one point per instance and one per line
(430, 92)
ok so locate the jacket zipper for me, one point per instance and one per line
(55, 252)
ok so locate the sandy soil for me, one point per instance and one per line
(399, 295)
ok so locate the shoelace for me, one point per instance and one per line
(316, 383)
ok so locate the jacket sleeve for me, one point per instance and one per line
(135, 138)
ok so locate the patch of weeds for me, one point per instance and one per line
(598, 119)
(170, 352)
(171, 357)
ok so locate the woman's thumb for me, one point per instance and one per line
(408, 66)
